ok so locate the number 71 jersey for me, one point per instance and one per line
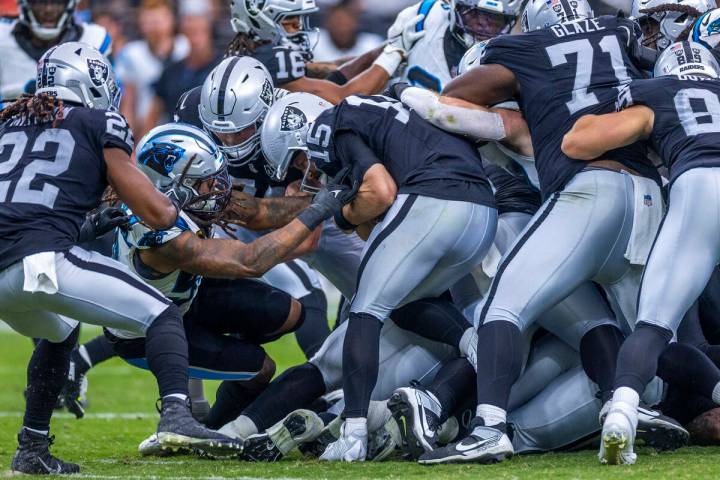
(566, 71)
(50, 177)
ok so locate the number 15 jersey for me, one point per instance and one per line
(566, 71)
(51, 177)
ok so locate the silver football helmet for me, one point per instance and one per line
(181, 156)
(234, 100)
(76, 72)
(687, 58)
(545, 13)
(472, 57)
(261, 18)
(59, 13)
(285, 128)
(477, 20)
(663, 28)
(706, 29)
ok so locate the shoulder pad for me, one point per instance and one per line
(97, 36)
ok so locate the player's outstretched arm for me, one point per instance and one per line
(263, 213)
(484, 85)
(593, 135)
(137, 192)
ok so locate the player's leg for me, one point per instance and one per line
(577, 234)
(314, 328)
(423, 246)
(680, 264)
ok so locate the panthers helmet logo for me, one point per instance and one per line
(98, 71)
(292, 119)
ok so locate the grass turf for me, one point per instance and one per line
(122, 413)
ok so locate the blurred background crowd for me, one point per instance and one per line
(162, 48)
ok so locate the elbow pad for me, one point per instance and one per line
(477, 124)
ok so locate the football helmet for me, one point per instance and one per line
(37, 13)
(76, 72)
(687, 58)
(284, 131)
(184, 157)
(545, 13)
(235, 98)
(472, 57)
(663, 28)
(706, 29)
(477, 20)
(262, 19)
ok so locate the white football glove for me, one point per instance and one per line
(402, 35)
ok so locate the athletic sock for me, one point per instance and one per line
(46, 374)
(453, 382)
(361, 350)
(598, 353)
(433, 318)
(499, 361)
(492, 416)
(296, 388)
(638, 358)
(166, 351)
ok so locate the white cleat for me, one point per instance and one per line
(297, 427)
(151, 447)
(350, 447)
(384, 441)
(483, 445)
(617, 439)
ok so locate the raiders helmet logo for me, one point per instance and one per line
(98, 72)
(254, 7)
(267, 93)
(292, 119)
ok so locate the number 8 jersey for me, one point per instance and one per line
(51, 177)
(566, 71)
(686, 127)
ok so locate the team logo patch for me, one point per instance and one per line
(161, 157)
(254, 7)
(98, 72)
(292, 119)
(267, 93)
(647, 200)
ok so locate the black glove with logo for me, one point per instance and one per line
(330, 199)
(101, 222)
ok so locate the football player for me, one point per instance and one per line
(665, 21)
(41, 25)
(70, 134)
(677, 112)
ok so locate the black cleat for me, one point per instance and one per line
(418, 416)
(483, 445)
(33, 456)
(298, 427)
(178, 430)
(73, 392)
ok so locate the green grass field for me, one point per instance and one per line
(122, 413)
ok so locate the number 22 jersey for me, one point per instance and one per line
(51, 177)
(566, 71)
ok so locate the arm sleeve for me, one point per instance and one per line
(352, 150)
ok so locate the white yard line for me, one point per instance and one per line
(91, 416)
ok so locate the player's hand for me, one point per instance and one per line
(342, 190)
(180, 196)
(101, 222)
(330, 199)
(403, 34)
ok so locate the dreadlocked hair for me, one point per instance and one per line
(38, 108)
(670, 7)
(243, 45)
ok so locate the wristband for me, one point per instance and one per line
(336, 76)
(389, 60)
(342, 222)
(313, 216)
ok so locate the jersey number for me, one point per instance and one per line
(584, 53)
(691, 119)
(297, 66)
(17, 141)
(402, 114)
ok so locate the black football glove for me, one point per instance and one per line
(101, 222)
(330, 199)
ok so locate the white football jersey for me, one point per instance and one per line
(427, 64)
(18, 70)
(178, 286)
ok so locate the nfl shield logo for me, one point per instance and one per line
(647, 200)
(98, 72)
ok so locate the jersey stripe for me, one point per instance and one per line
(105, 44)
(424, 9)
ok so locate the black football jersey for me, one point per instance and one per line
(566, 71)
(51, 177)
(686, 130)
(421, 158)
(283, 62)
(187, 109)
(513, 191)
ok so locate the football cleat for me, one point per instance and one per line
(350, 447)
(383, 441)
(74, 392)
(151, 447)
(418, 416)
(178, 430)
(654, 429)
(277, 441)
(616, 440)
(483, 445)
(328, 435)
(33, 456)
